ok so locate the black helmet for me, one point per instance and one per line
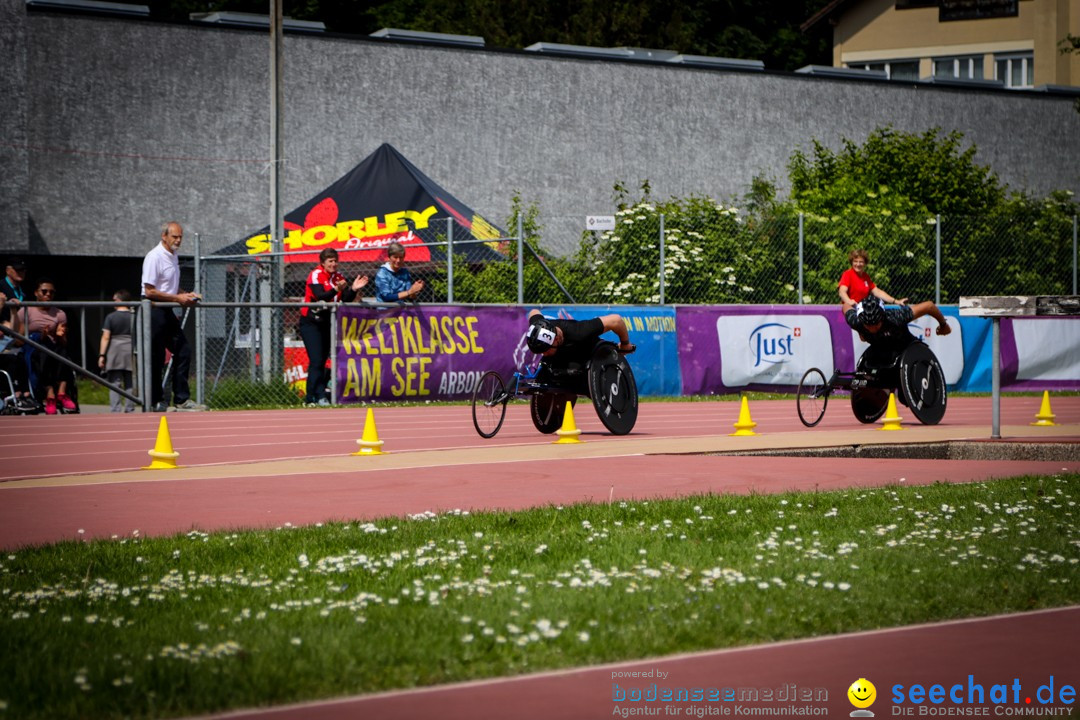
(540, 336)
(871, 312)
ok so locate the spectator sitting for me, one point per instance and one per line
(48, 326)
(11, 284)
(393, 282)
(11, 357)
(115, 357)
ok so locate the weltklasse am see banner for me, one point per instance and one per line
(424, 352)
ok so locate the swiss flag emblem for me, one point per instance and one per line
(798, 332)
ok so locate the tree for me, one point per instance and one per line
(766, 30)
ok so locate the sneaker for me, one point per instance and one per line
(50, 406)
(27, 404)
(190, 405)
(160, 407)
(66, 403)
(310, 404)
(323, 402)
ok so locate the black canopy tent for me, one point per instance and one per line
(383, 199)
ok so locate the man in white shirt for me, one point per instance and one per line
(161, 283)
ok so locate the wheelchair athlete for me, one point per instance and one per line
(886, 329)
(565, 344)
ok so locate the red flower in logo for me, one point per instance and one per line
(325, 212)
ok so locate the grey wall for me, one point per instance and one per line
(129, 122)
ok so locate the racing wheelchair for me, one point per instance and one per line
(914, 373)
(606, 379)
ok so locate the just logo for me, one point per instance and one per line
(771, 343)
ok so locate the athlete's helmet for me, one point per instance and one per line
(540, 336)
(872, 313)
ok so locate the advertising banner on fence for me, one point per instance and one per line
(652, 329)
(725, 348)
(1040, 353)
(423, 352)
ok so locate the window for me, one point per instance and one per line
(1016, 71)
(961, 68)
(895, 69)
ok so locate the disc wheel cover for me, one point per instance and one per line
(613, 390)
(923, 383)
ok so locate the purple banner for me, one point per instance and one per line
(424, 353)
(725, 348)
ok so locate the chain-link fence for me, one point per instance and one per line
(721, 257)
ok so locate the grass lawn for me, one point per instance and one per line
(141, 627)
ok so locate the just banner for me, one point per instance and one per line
(425, 352)
(726, 348)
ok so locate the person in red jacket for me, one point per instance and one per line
(324, 284)
(855, 286)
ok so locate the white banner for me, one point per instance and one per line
(599, 222)
(949, 349)
(1048, 348)
(773, 349)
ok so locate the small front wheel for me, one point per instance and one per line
(489, 404)
(812, 397)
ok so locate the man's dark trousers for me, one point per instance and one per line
(165, 333)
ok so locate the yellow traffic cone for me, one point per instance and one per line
(892, 419)
(744, 426)
(569, 432)
(369, 442)
(1044, 416)
(163, 454)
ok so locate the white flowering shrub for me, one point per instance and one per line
(713, 253)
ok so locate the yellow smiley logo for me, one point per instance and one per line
(862, 693)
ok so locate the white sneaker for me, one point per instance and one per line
(323, 402)
(190, 405)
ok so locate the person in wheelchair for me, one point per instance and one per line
(15, 396)
(575, 360)
(886, 329)
(567, 345)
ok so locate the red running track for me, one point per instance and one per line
(45, 446)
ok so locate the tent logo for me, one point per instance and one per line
(321, 229)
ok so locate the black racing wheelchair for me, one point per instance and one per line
(606, 379)
(913, 373)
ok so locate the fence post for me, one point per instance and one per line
(333, 353)
(801, 241)
(200, 327)
(144, 355)
(1074, 255)
(661, 258)
(521, 259)
(449, 259)
(82, 335)
(937, 261)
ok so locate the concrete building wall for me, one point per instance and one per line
(129, 122)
